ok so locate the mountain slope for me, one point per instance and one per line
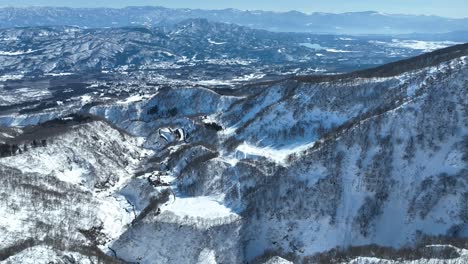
(194, 47)
(60, 193)
(304, 168)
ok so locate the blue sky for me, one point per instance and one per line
(448, 8)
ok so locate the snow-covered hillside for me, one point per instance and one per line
(369, 167)
(199, 45)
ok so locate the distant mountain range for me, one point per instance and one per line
(198, 44)
(368, 22)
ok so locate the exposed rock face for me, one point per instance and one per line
(291, 168)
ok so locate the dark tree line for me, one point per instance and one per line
(8, 150)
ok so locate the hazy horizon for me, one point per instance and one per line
(449, 8)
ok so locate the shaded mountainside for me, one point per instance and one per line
(366, 167)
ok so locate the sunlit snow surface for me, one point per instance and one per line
(201, 206)
(425, 46)
(15, 53)
(11, 77)
(215, 43)
(24, 94)
(245, 78)
(278, 155)
(318, 47)
(134, 99)
(462, 259)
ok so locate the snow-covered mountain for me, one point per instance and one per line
(364, 167)
(199, 49)
(368, 22)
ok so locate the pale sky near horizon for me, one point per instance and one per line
(447, 8)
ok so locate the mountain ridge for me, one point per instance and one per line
(291, 169)
(345, 23)
(103, 158)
